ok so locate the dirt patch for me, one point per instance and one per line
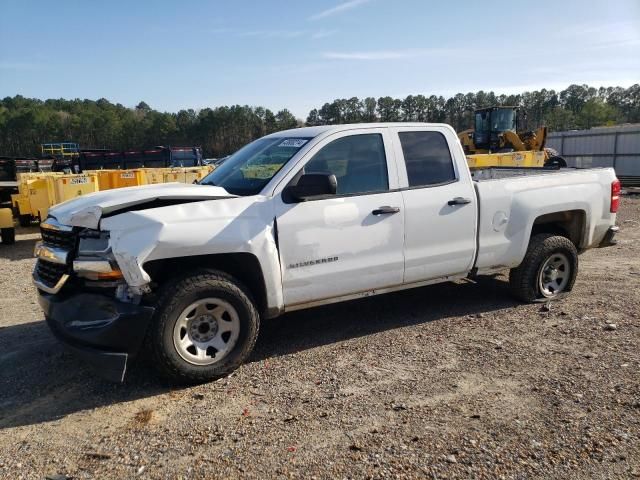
(447, 381)
(143, 417)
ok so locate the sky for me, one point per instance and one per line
(300, 54)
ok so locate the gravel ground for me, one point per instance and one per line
(446, 381)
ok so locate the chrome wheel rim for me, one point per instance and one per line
(206, 331)
(554, 275)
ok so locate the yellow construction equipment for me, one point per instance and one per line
(528, 158)
(154, 176)
(39, 191)
(186, 174)
(498, 140)
(22, 200)
(105, 178)
(7, 229)
(127, 178)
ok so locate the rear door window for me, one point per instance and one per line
(427, 157)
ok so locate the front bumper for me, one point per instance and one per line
(609, 237)
(101, 330)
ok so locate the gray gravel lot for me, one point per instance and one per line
(446, 381)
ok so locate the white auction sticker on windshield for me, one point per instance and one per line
(293, 142)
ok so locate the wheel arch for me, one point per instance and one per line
(243, 266)
(569, 223)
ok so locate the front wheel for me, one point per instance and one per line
(549, 269)
(205, 327)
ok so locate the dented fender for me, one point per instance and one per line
(232, 225)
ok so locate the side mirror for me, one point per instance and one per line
(312, 185)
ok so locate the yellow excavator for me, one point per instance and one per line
(497, 141)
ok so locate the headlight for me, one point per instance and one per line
(95, 260)
(93, 243)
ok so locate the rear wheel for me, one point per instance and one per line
(205, 327)
(8, 236)
(548, 271)
(554, 160)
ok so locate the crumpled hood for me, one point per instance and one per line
(87, 210)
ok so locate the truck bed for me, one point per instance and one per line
(496, 173)
(511, 199)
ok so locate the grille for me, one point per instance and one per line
(59, 238)
(50, 273)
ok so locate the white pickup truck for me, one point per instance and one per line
(301, 218)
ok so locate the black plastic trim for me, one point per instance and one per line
(609, 239)
(105, 331)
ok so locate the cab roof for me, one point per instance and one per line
(311, 132)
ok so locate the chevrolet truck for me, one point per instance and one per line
(184, 274)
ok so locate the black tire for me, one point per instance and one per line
(524, 280)
(555, 162)
(24, 220)
(178, 295)
(8, 236)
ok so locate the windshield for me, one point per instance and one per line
(247, 171)
(503, 120)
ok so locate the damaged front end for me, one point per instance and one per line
(95, 292)
(85, 299)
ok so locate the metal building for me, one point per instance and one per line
(617, 147)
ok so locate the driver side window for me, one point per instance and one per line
(358, 162)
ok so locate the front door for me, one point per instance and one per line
(346, 243)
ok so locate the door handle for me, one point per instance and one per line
(385, 210)
(459, 201)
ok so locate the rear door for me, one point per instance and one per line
(439, 203)
(349, 242)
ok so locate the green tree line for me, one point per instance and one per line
(25, 123)
(576, 107)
